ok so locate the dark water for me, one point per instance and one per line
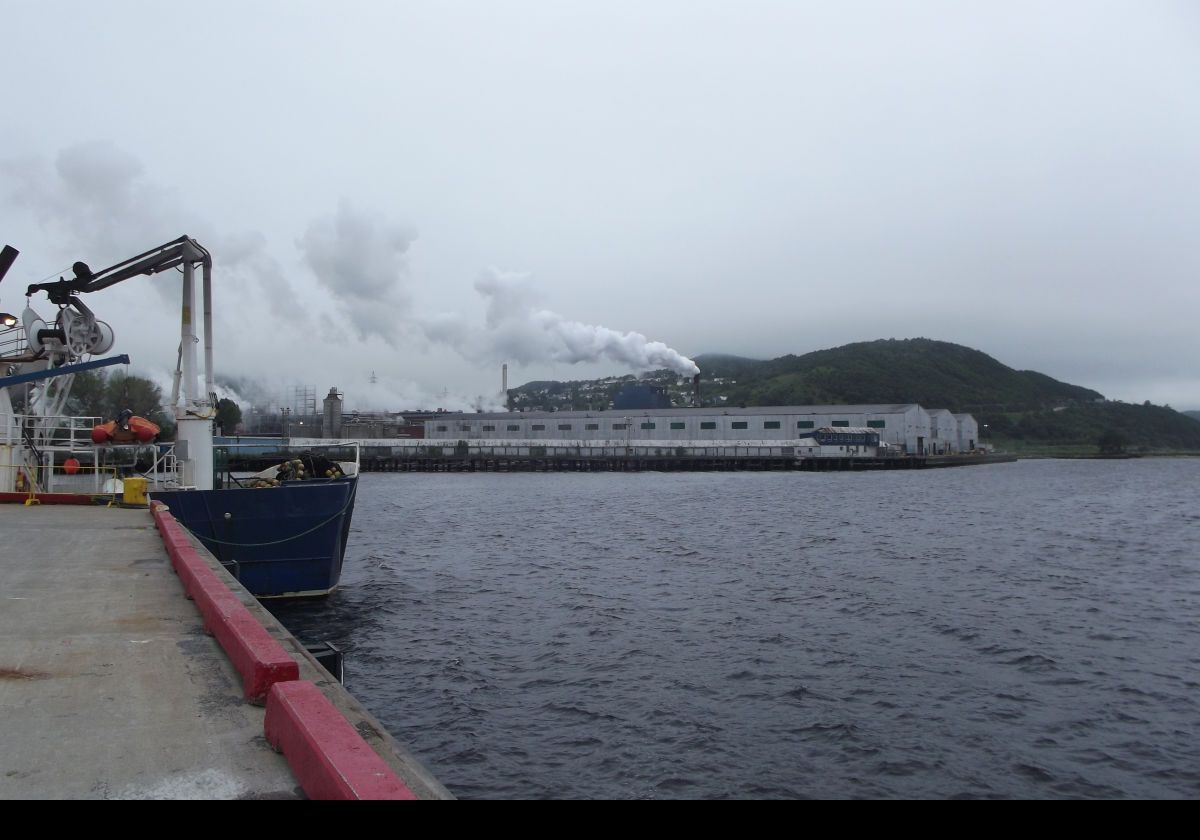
(1018, 630)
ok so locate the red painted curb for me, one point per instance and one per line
(329, 758)
(49, 498)
(258, 657)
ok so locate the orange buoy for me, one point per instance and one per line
(71, 466)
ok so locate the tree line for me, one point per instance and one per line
(97, 393)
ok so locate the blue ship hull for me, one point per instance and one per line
(282, 542)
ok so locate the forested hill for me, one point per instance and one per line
(936, 374)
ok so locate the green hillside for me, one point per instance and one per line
(933, 373)
(1140, 427)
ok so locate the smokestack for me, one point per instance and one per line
(504, 379)
(332, 425)
(696, 385)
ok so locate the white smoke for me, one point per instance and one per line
(517, 328)
(381, 394)
(95, 200)
(245, 255)
(361, 259)
(98, 203)
(243, 390)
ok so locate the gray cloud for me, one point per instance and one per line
(762, 178)
(245, 254)
(361, 259)
(96, 202)
(100, 206)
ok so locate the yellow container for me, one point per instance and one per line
(135, 491)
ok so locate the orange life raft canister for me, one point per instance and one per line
(137, 429)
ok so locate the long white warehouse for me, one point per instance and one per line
(907, 426)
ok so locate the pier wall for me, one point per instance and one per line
(114, 685)
(334, 746)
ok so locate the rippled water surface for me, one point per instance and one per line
(1028, 630)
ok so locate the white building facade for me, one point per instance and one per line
(908, 427)
(968, 432)
(943, 433)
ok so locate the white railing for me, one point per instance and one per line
(35, 442)
(55, 454)
(13, 343)
(56, 431)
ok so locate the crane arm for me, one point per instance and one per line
(167, 256)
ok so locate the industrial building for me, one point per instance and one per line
(908, 427)
(943, 432)
(968, 432)
(337, 424)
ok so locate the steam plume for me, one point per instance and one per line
(361, 260)
(100, 205)
(517, 328)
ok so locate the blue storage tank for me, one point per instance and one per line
(637, 397)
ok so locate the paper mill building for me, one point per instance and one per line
(909, 427)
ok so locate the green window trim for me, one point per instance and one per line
(564, 427)
(679, 425)
(804, 424)
(708, 424)
(840, 423)
(876, 424)
(538, 427)
(648, 426)
(740, 424)
(771, 424)
(513, 427)
(592, 427)
(488, 429)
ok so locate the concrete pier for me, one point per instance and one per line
(109, 685)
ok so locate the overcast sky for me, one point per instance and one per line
(428, 189)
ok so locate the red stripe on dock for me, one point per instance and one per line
(258, 657)
(52, 498)
(330, 759)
